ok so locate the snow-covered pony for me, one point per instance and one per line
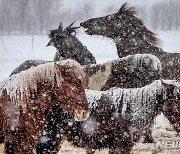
(69, 46)
(26, 98)
(132, 37)
(118, 118)
(129, 72)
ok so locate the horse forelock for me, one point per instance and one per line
(20, 86)
(126, 9)
(73, 66)
(60, 31)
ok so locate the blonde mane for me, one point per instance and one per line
(21, 85)
(26, 81)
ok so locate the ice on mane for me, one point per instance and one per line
(144, 59)
(139, 100)
(26, 81)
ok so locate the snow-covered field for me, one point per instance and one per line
(19, 49)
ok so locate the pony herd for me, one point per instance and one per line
(42, 102)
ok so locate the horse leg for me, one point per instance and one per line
(17, 143)
(90, 151)
(51, 138)
(171, 111)
(148, 137)
(120, 150)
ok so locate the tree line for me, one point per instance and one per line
(38, 16)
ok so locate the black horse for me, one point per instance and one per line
(132, 37)
(69, 46)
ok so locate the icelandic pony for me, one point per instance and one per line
(129, 72)
(25, 99)
(69, 46)
(132, 37)
(118, 118)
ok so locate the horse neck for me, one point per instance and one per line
(130, 46)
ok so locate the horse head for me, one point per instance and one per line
(62, 37)
(71, 81)
(69, 46)
(124, 27)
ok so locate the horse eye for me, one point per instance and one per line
(73, 34)
(60, 36)
(108, 18)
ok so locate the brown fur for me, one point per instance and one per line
(25, 99)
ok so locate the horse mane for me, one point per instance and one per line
(69, 30)
(139, 60)
(125, 9)
(150, 36)
(143, 102)
(26, 82)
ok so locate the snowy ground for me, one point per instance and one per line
(19, 49)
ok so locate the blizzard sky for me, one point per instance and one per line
(101, 4)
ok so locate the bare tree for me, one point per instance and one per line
(5, 15)
(43, 10)
(21, 11)
(166, 15)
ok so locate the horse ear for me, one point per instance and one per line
(50, 43)
(123, 7)
(71, 23)
(58, 72)
(60, 28)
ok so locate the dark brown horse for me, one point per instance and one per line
(25, 99)
(118, 118)
(69, 46)
(132, 37)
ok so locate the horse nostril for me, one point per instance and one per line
(81, 24)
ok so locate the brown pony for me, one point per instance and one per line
(119, 117)
(25, 99)
(132, 37)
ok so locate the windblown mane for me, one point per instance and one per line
(150, 36)
(25, 82)
(125, 9)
